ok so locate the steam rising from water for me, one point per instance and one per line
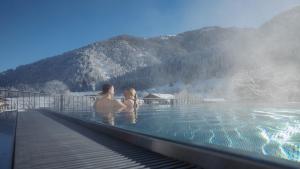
(261, 64)
(267, 67)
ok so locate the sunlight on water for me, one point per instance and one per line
(271, 132)
(285, 134)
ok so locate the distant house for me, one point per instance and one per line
(158, 98)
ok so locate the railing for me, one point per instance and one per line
(21, 100)
(8, 120)
(11, 100)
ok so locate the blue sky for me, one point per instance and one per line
(34, 29)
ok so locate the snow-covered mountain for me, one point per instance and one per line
(248, 62)
(125, 58)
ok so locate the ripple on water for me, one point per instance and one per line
(291, 151)
(254, 130)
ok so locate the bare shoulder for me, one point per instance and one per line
(118, 103)
(129, 102)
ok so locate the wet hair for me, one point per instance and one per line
(106, 88)
(126, 93)
(132, 92)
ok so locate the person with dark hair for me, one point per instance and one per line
(106, 105)
(107, 89)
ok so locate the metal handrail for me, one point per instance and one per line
(22, 100)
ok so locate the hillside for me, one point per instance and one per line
(250, 63)
(169, 58)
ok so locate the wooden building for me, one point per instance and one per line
(158, 98)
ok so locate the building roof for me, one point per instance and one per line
(160, 95)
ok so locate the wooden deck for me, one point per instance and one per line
(47, 142)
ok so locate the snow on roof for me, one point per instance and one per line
(163, 96)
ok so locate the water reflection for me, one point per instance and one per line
(109, 117)
(131, 116)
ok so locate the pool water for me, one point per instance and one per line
(264, 131)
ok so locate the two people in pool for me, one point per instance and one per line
(106, 105)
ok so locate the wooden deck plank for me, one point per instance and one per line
(44, 142)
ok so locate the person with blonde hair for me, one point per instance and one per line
(130, 100)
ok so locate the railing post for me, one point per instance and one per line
(73, 104)
(33, 100)
(81, 104)
(39, 100)
(54, 102)
(17, 100)
(85, 104)
(29, 100)
(23, 100)
(61, 107)
(49, 101)
(53, 108)
(11, 101)
(77, 106)
(6, 102)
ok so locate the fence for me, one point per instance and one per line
(11, 100)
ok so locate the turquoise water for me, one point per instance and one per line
(264, 131)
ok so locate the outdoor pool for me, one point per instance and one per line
(259, 131)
